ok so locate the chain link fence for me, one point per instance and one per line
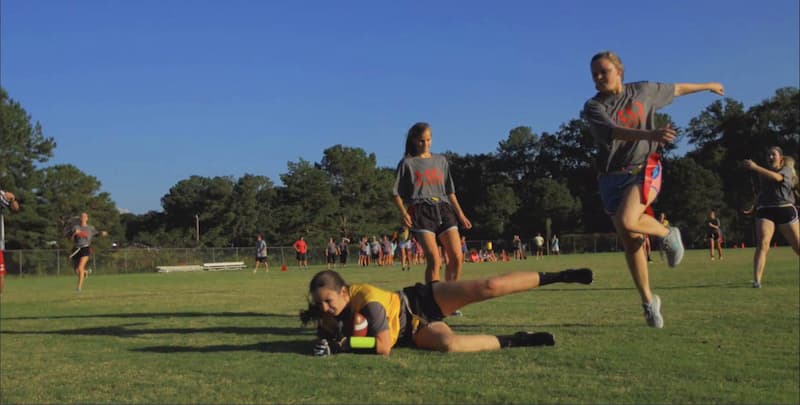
(142, 260)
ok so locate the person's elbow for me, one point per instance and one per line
(383, 350)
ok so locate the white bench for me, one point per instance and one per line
(223, 266)
(176, 269)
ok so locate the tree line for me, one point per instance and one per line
(532, 181)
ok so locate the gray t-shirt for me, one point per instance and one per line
(774, 193)
(635, 107)
(424, 180)
(82, 235)
(261, 248)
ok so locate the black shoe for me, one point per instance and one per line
(533, 339)
(583, 276)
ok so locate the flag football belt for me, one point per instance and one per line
(653, 161)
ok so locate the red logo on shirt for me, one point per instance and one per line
(431, 177)
(632, 116)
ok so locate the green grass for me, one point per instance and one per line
(232, 337)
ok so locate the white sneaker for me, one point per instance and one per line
(652, 313)
(673, 245)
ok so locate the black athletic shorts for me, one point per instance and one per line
(422, 304)
(300, 256)
(433, 218)
(331, 258)
(778, 215)
(82, 252)
(713, 235)
(261, 259)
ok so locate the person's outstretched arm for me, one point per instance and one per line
(769, 174)
(682, 89)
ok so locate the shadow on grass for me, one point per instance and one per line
(530, 327)
(159, 315)
(125, 330)
(289, 346)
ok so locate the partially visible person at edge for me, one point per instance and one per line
(414, 315)
(7, 200)
(425, 195)
(621, 118)
(714, 234)
(776, 207)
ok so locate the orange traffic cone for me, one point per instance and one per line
(284, 268)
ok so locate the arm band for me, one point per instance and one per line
(366, 343)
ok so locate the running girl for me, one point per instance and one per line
(776, 207)
(425, 195)
(82, 235)
(622, 120)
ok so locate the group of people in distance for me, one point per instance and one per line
(621, 117)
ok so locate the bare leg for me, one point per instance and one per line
(764, 231)
(432, 258)
(438, 336)
(81, 271)
(453, 295)
(451, 242)
(630, 222)
(792, 234)
(719, 249)
(711, 248)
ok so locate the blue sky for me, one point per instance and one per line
(142, 94)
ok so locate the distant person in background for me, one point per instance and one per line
(301, 252)
(331, 252)
(363, 252)
(464, 247)
(7, 200)
(404, 244)
(375, 251)
(539, 242)
(387, 253)
(489, 248)
(622, 121)
(516, 244)
(425, 195)
(261, 254)
(82, 236)
(714, 234)
(343, 251)
(776, 207)
(554, 245)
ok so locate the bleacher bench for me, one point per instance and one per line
(223, 266)
(176, 269)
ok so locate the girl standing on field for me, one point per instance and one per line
(622, 120)
(776, 207)
(714, 234)
(425, 195)
(413, 316)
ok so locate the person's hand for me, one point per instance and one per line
(663, 135)
(465, 221)
(749, 164)
(407, 220)
(103, 233)
(716, 88)
(322, 348)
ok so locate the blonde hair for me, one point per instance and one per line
(613, 58)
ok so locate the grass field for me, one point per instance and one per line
(234, 337)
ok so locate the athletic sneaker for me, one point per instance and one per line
(583, 276)
(457, 313)
(652, 312)
(533, 339)
(756, 284)
(673, 245)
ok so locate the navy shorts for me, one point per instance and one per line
(613, 186)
